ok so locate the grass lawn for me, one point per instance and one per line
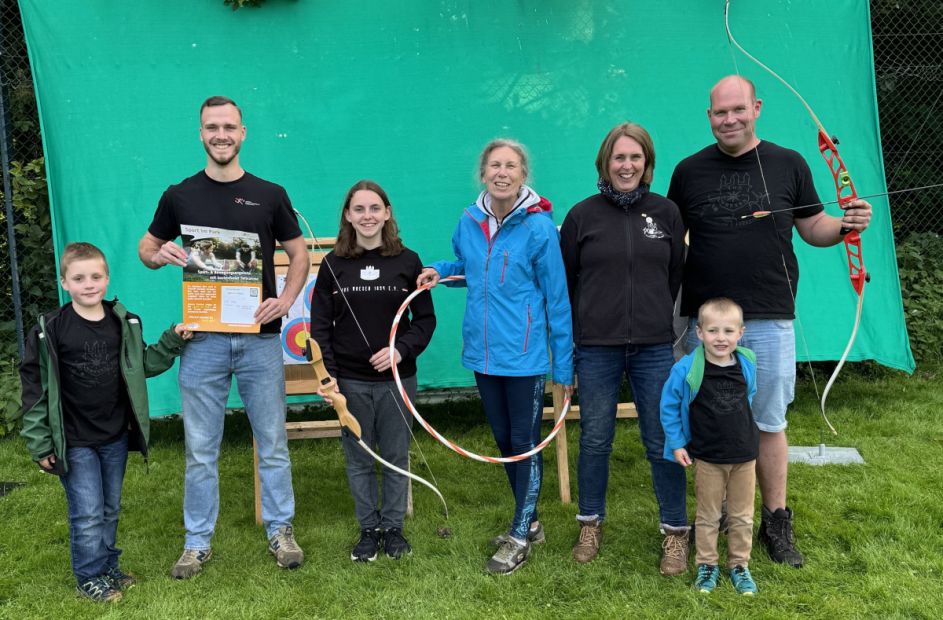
(872, 534)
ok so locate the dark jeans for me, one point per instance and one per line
(599, 371)
(383, 428)
(514, 407)
(93, 493)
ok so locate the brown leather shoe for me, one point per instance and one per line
(587, 547)
(674, 556)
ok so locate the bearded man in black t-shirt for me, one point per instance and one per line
(224, 196)
(752, 262)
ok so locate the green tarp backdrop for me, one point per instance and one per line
(406, 93)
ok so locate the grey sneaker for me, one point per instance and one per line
(286, 551)
(190, 563)
(119, 579)
(535, 535)
(587, 547)
(100, 590)
(510, 556)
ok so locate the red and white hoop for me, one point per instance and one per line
(431, 430)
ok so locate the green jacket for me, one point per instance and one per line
(43, 426)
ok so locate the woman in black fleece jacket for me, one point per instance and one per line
(623, 250)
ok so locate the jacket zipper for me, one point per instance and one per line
(527, 332)
(628, 285)
(504, 266)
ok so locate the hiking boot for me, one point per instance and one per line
(674, 556)
(190, 563)
(707, 575)
(742, 580)
(119, 579)
(395, 544)
(535, 535)
(368, 546)
(510, 556)
(587, 547)
(100, 590)
(286, 551)
(776, 535)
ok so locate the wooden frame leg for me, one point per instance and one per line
(563, 460)
(258, 484)
(409, 491)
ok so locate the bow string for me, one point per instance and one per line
(846, 194)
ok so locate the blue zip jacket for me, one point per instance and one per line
(682, 386)
(517, 304)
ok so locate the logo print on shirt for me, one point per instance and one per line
(248, 203)
(728, 397)
(651, 229)
(95, 366)
(369, 273)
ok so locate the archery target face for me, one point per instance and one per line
(296, 323)
(293, 339)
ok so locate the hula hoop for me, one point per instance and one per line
(429, 428)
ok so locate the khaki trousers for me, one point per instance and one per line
(712, 483)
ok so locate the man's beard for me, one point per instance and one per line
(222, 161)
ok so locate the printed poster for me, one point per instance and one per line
(296, 324)
(222, 282)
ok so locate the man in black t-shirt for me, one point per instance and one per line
(752, 261)
(224, 196)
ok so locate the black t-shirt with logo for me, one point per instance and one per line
(95, 403)
(248, 204)
(735, 256)
(722, 426)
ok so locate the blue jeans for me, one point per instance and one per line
(385, 425)
(599, 371)
(774, 342)
(207, 366)
(93, 494)
(514, 407)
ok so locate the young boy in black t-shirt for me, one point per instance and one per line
(705, 411)
(85, 405)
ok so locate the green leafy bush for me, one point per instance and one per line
(920, 260)
(35, 258)
(9, 397)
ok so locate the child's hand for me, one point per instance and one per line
(681, 455)
(181, 330)
(46, 463)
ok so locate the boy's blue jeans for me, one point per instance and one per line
(599, 371)
(207, 366)
(93, 494)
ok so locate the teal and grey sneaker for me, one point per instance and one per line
(510, 556)
(286, 551)
(100, 590)
(707, 575)
(119, 579)
(535, 535)
(742, 580)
